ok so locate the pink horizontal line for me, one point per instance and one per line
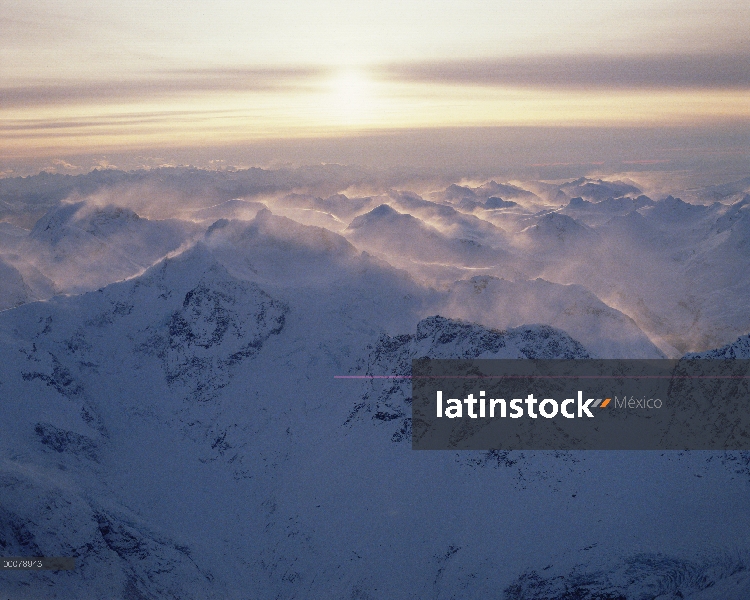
(541, 376)
(372, 377)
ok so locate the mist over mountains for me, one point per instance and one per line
(667, 266)
(170, 340)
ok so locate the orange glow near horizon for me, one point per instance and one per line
(346, 103)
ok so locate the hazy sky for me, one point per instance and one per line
(80, 76)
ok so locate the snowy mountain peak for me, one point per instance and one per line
(50, 226)
(185, 266)
(579, 202)
(493, 188)
(268, 232)
(598, 189)
(497, 202)
(458, 192)
(231, 209)
(382, 213)
(94, 219)
(674, 203)
(557, 226)
(438, 337)
(738, 214)
(675, 210)
(503, 304)
(739, 349)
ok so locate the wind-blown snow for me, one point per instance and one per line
(177, 427)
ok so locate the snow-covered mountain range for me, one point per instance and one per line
(173, 419)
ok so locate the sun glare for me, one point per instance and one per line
(351, 97)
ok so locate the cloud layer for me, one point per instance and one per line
(161, 85)
(671, 71)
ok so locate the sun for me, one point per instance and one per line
(351, 97)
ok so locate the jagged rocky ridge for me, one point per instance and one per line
(154, 432)
(438, 337)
